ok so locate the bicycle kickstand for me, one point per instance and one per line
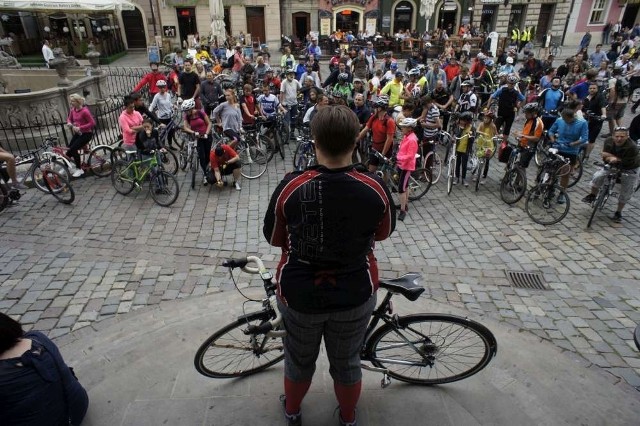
(386, 380)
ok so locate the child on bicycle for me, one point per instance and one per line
(484, 142)
(148, 140)
(463, 147)
(406, 159)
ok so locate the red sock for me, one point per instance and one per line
(294, 393)
(348, 396)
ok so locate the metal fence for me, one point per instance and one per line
(20, 135)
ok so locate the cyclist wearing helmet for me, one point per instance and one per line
(300, 68)
(508, 99)
(197, 123)
(344, 88)
(382, 129)
(455, 87)
(485, 147)
(551, 99)
(406, 158)
(508, 68)
(468, 101)
(389, 63)
(463, 147)
(412, 85)
(163, 104)
(485, 82)
(394, 90)
(333, 77)
(531, 133)
(289, 98)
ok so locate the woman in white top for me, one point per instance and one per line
(163, 103)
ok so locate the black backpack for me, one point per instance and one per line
(622, 88)
(231, 61)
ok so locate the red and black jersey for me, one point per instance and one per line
(327, 221)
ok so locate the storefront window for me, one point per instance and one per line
(516, 19)
(488, 19)
(403, 16)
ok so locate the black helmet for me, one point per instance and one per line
(466, 116)
(530, 107)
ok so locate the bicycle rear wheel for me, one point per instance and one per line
(304, 156)
(169, 162)
(450, 175)
(122, 177)
(183, 158)
(419, 184)
(193, 164)
(433, 163)
(58, 186)
(481, 163)
(99, 160)
(542, 204)
(164, 188)
(231, 353)
(254, 162)
(576, 173)
(431, 349)
(48, 164)
(513, 186)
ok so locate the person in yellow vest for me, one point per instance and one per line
(523, 39)
(515, 35)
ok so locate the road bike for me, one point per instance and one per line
(542, 203)
(514, 182)
(424, 349)
(127, 175)
(606, 190)
(388, 170)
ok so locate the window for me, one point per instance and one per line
(597, 12)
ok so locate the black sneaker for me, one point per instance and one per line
(589, 199)
(292, 419)
(617, 217)
(402, 215)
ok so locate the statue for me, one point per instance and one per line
(8, 61)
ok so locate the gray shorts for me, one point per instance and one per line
(616, 111)
(343, 334)
(627, 183)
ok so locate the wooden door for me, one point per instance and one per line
(546, 15)
(134, 29)
(300, 24)
(255, 22)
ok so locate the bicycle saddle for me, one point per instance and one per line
(405, 285)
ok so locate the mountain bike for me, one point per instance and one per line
(388, 170)
(424, 349)
(514, 182)
(541, 154)
(606, 190)
(127, 175)
(542, 204)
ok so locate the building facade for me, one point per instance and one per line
(593, 15)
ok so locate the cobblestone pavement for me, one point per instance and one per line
(64, 267)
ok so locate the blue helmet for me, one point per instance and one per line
(394, 66)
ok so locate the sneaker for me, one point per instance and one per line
(456, 181)
(205, 182)
(77, 173)
(483, 181)
(589, 199)
(237, 185)
(292, 419)
(474, 179)
(19, 186)
(561, 199)
(402, 215)
(617, 217)
(464, 182)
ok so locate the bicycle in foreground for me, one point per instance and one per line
(425, 349)
(514, 182)
(606, 190)
(542, 203)
(451, 143)
(127, 175)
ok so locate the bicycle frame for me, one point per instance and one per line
(136, 165)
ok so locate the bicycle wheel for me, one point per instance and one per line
(164, 188)
(540, 155)
(231, 353)
(450, 174)
(576, 173)
(431, 349)
(193, 164)
(481, 162)
(4, 196)
(118, 154)
(419, 184)
(48, 164)
(542, 204)
(58, 186)
(433, 164)
(304, 156)
(279, 142)
(169, 162)
(598, 203)
(254, 162)
(122, 177)
(99, 160)
(513, 186)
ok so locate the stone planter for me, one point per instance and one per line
(60, 62)
(94, 59)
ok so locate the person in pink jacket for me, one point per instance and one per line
(406, 159)
(81, 123)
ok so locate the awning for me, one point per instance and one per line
(67, 5)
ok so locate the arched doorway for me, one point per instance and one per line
(348, 20)
(403, 16)
(134, 29)
(301, 24)
(448, 16)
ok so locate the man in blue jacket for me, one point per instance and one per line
(568, 135)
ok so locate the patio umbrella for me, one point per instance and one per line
(218, 29)
(426, 8)
(67, 5)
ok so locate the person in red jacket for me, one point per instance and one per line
(151, 79)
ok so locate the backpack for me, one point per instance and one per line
(231, 61)
(623, 88)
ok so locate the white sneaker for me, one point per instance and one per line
(205, 182)
(237, 185)
(77, 173)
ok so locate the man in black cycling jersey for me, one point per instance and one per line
(326, 220)
(508, 99)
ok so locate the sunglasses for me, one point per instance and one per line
(620, 129)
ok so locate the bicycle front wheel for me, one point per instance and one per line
(576, 173)
(431, 349)
(597, 204)
(4, 196)
(122, 177)
(513, 186)
(58, 186)
(419, 184)
(231, 353)
(100, 160)
(254, 162)
(193, 163)
(37, 174)
(542, 204)
(433, 163)
(540, 155)
(450, 173)
(169, 162)
(164, 188)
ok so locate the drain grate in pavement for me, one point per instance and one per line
(530, 280)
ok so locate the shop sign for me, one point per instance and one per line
(325, 26)
(360, 2)
(386, 21)
(491, 1)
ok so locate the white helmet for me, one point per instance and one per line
(188, 104)
(408, 122)
(414, 72)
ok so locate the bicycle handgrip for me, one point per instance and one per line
(235, 263)
(259, 329)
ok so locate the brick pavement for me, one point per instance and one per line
(65, 267)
